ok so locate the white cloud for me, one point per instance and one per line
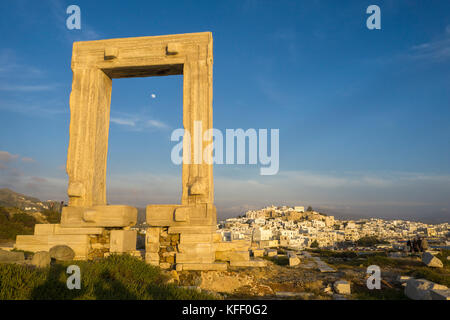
(156, 124)
(435, 50)
(20, 78)
(123, 122)
(5, 156)
(10, 67)
(136, 122)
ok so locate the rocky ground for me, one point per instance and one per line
(316, 274)
(305, 281)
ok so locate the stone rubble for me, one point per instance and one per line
(431, 261)
(342, 287)
(41, 259)
(420, 289)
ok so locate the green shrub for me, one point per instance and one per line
(361, 292)
(280, 260)
(13, 224)
(369, 241)
(441, 276)
(335, 254)
(314, 244)
(443, 257)
(14, 221)
(118, 277)
(382, 260)
(52, 216)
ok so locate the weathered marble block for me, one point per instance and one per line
(122, 241)
(98, 216)
(34, 243)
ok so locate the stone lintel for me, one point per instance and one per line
(166, 215)
(98, 216)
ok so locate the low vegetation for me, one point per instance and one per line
(361, 292)
(280, 260)
(441, 276)
(52, 216)
(369, 241)
(118, 277)
(13, 222)
(443, 257)
(335, 254)
(405, 266)
(314, 244)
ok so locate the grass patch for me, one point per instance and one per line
(443, 257)
(384, 261)
(14, 222)
(335, 254)
(361, 292)
(351, 259)
(118, 277)
(52, 216)
(441, 276)
(27, 254)
(369, 241)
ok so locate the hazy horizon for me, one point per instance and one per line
(363, 114)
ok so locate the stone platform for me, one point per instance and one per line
(87, 231)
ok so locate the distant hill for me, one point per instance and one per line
(19, 213)
(9, 198)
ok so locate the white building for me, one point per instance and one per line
(260, 234)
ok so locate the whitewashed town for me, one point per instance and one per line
(298, 228)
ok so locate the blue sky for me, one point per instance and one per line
(363, 114)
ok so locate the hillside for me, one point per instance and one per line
(19, 213)
(9, 198)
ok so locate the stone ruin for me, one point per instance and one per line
(180, 236)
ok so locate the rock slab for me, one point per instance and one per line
(431, 261)
(11, 256)
(420, 289)
(342, 287)
(62, 253)
(41, 259)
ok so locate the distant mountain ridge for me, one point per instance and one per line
(9, 198)
(19, 213)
